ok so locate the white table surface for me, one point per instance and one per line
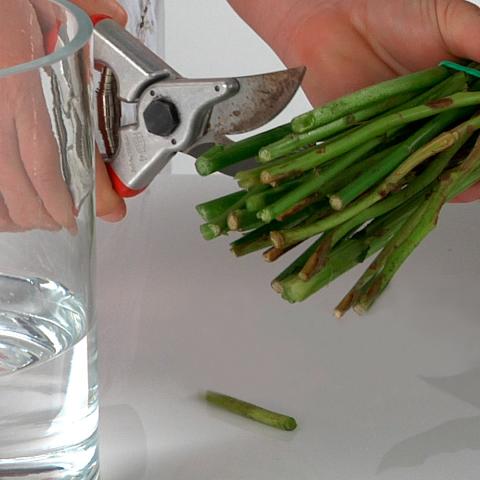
(391, 396)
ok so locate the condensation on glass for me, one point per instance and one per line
(48, 380)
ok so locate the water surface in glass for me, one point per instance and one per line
(48, 380)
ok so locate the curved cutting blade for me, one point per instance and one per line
(259, 99)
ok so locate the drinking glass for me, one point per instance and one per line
(48, 377)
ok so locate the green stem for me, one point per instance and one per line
(368, 96)
(415, 230)
(253, 412)
(251, 177)
(382, 222)
(371, 177)
(294, 141)
(209, 210)
(316, 182)
(318, 259)
(260, 200)
(348, 254)
(454, 84)
(440, 143)
(414, 192)
(351, 173)
(299, 206)
(222, 156)
(326, 152)
(413, 210)
(218, 226)
(260, 238)
(465, 184)
(242, 220)
(273, 253)
(294, 267)
(251, 245)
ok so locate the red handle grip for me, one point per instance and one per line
(98, 17)
(51, 38)
(120, 187)
(123, 190)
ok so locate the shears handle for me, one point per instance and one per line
(50, 43)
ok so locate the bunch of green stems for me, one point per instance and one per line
(363, 174)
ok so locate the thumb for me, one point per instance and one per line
(110, 206)
(106, 7)
(459, 24)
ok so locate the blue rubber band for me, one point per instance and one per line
(460, 68)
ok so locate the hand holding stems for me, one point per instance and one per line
(33, 194)
(349, 44)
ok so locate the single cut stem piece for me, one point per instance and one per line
(222, 156)
(249, 410)
(209, 210)
(328, 151)
(368, 96)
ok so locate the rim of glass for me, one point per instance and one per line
(83, 35)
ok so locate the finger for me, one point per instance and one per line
(46, 16)
(107, 7)
(6, 223)
(25, 208)
(110, 206)
(471, 195)
(459, 24)
(39, 151)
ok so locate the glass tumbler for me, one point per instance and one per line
(48, 378)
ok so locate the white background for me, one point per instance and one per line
(391, 396)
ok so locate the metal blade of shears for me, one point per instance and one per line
(210, 141)
(259, 99)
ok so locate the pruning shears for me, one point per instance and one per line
(171, 113)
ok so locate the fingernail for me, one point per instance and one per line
(73, 229)
(122, 15)
(53, 227)
(113, 217)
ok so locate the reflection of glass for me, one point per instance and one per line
(48, 384)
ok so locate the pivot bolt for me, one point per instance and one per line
(161, 117)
